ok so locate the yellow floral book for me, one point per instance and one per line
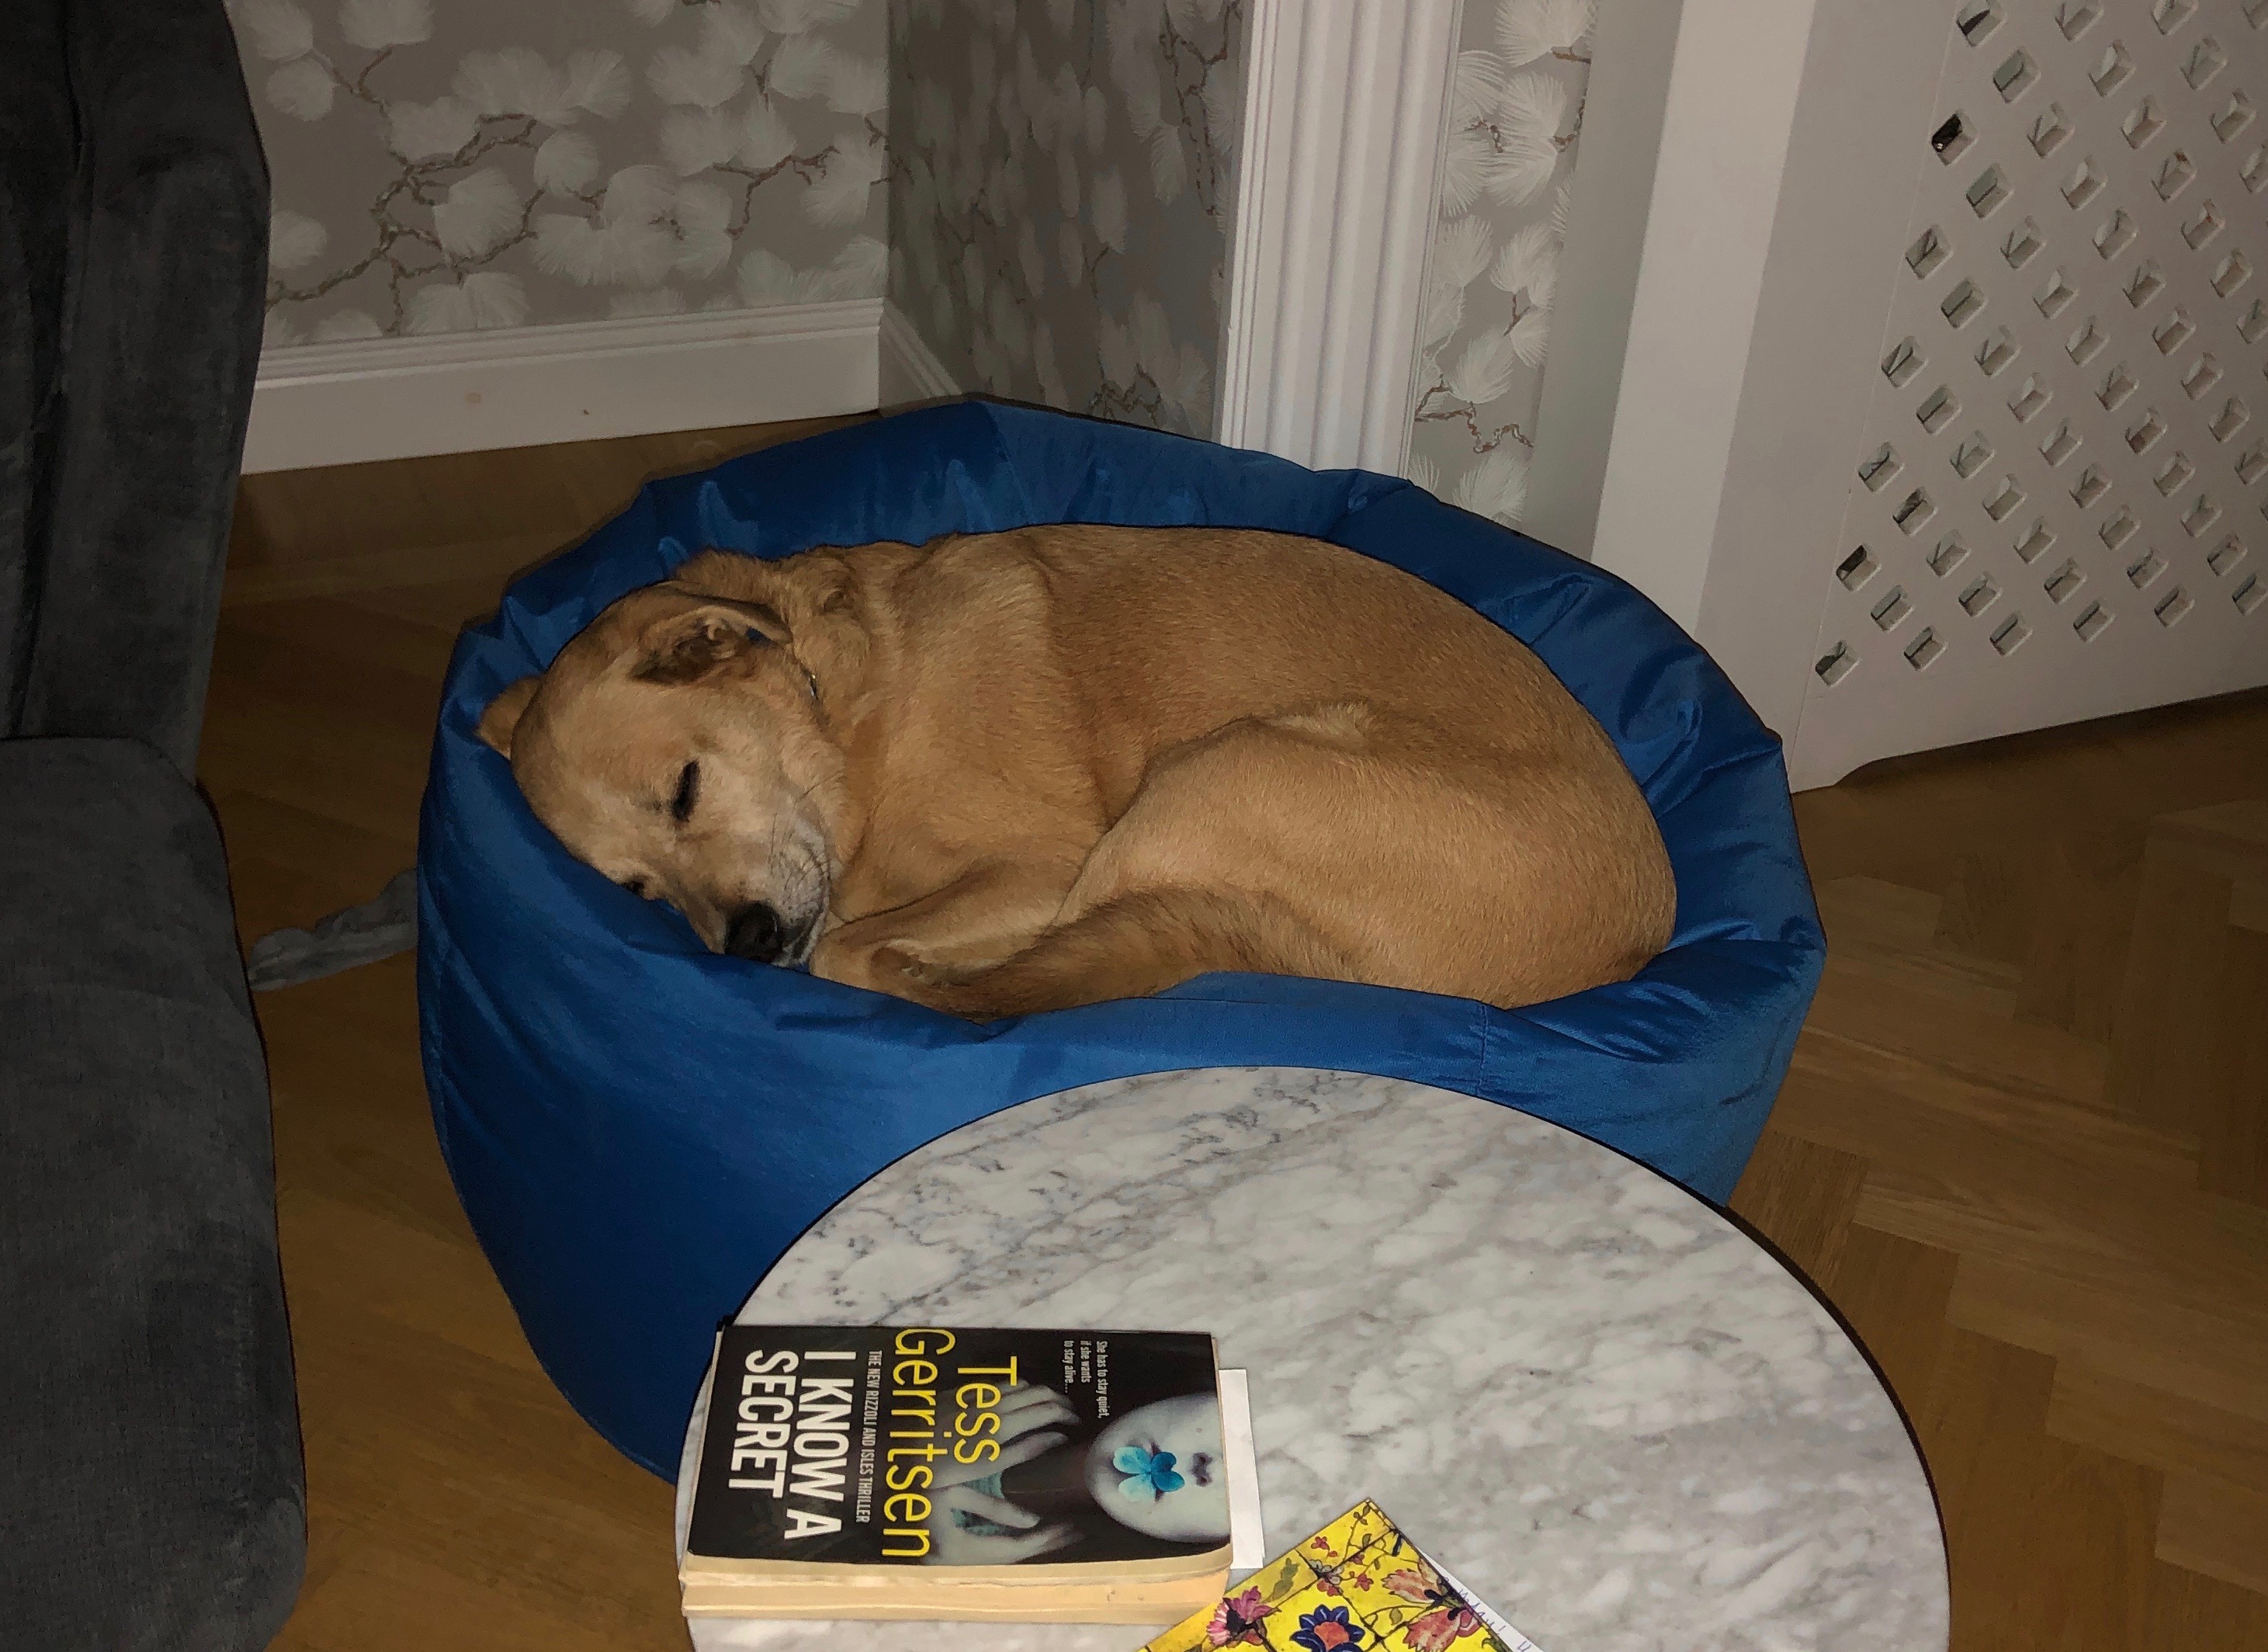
(1358, 1585)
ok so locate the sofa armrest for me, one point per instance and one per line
(36, 164)
(167, 280)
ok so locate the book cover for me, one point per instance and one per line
(1358, 1585)
(1051, 1452)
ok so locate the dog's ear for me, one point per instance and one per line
(504, 711)
(688, 646)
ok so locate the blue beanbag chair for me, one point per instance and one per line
(638, 1128)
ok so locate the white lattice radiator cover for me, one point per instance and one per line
(2057, 508)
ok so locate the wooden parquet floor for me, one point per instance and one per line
(2023, 1149)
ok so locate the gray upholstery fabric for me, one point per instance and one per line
(149, 1459)
(36, 145)
(161, 314)
(149, 1482)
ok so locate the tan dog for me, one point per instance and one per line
(1019, 772)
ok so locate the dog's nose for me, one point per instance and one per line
(756, 934)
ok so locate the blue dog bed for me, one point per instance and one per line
(637, 1128)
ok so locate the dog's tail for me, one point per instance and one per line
(1140, 943)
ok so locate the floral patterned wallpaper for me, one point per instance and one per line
(1061, 194)
(1516, 107)
(517, 162)
(1059, 176)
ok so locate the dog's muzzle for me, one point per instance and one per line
(757, 933)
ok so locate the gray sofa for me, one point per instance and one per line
(149, 1476)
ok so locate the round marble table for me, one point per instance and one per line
(1586, 1393)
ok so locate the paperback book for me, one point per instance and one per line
(1359, 1585)
(888, 1472)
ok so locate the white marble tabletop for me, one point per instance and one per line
(1585, 1392)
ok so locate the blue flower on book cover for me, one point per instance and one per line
(1150, 1475)
(1328, 1629)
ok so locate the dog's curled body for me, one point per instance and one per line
(1017, 772)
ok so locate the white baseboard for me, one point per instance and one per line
(402, 398)
(910, 370)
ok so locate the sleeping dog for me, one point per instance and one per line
(1010, 772)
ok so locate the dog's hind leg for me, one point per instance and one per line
(1334, 841)
(1192, 877)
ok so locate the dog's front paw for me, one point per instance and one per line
(895, 966)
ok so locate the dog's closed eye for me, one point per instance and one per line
(689, 793)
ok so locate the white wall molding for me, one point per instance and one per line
(400, 398)
(1346, 101)
(910, 370)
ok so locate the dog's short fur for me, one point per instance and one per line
(1019, 771)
